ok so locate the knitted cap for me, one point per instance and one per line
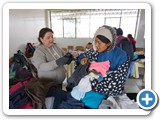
(107, 32)
(102, 31)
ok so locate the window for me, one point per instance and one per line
(112, 22)
(128, 21)
(94, 24)
(57, 24)
(69, 28)
(129, 25)
(82, 23)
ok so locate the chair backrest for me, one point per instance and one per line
(70, 48)
(79, 48)
(140, 49)
(64, 49)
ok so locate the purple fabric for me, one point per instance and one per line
(23, 73)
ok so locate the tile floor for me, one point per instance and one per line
(134, 85)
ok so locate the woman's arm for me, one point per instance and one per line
(39, 61)
(113, 84)
(87, 55)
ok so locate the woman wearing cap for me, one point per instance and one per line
(104, 49)
(48, 58)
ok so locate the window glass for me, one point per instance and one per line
(57, 24)
(57, 27)
(114, 22)
(82, 23)
(83, 27)
(69, 28)
(128, 25)
(95, 24)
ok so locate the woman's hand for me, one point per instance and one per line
(84, 61)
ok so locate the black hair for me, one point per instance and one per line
(42, 33)
(89, 43)
(119, 31)
(129, 36)
(103, 39)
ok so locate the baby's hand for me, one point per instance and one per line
(84, 61)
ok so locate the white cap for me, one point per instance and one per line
(104, 32)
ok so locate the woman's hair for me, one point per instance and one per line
(89, 43)
(103, 39)
(119, 31)
(42, 33)
(129, 36)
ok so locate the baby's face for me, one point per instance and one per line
(89, 46)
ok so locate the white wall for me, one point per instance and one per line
(24, 26)
(71, 41)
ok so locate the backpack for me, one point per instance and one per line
(19, 60)
(127, 46)
(29, 50)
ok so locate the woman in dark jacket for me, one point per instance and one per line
(132, 40)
